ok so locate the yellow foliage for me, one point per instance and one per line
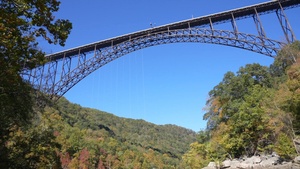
(284, 146)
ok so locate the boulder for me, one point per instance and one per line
(211, 165)
(243, 165)
(253, 160)
(297, 141)
(270, 161)
(226, 164)
(230, 163)
(257, 162)
(296, 163)
(295, 166)
(297, 160)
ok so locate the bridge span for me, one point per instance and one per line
(66, 68)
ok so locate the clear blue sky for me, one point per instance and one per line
(165, 84)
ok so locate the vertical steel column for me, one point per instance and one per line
(95, 49)
(41, 78)
(50, 81)
(211, 25)
(234, 25)
(258, 24)
(285, 25)
(37, 77)
(33, 75)
(66, 63)
(55, 74)
(81, 59)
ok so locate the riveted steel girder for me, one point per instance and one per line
(65, 69)
(69, 77)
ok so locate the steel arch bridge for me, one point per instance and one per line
(65, 69)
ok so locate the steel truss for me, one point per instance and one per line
(69, 77)
(65, 69)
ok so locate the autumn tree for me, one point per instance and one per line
(226, 98)
(236, 114)
(22, 24)
(255, 110)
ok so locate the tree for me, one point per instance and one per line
(236, 114)
(35, 147)
(286, 57)
(226, 98)
(22, 24)
(197, 157)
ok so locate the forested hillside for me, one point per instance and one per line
(170, 140)
(67, 135)
(253, 111)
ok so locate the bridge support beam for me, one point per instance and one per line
(66, 66)
(234, 25)
(211, 24)
(37, 76)
(258, 24)
(65, 69)
(51, 75)
(285, 25)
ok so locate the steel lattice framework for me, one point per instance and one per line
(65, 69)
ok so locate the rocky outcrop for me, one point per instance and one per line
(297, 144)
(296, 163)
(257, 162)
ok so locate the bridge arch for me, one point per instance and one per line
(65, 69)
(258, 44)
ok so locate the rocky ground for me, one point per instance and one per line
(257, 162)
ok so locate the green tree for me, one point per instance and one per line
(22, 24)
(36, 146)
(248, 127)
(236, 114)
(226, 98)
(197, 157)
(286, 57)
(284, 146)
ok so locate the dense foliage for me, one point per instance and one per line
(69, 136)
(253, 111)
(166, 139)
(22, 24)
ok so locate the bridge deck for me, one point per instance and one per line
(239, 13)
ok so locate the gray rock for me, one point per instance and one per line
(295, 166)
(209, 168)
(297, 141)
(297, 160)
(212, 164)
(274, 154)
(296, 163)
(243, 165)
(270, 161)
(226, 164)
(230, 164)
(253, 160)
